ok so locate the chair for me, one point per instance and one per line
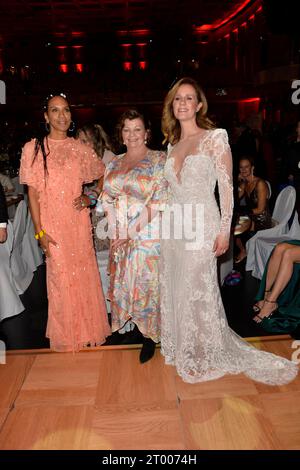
(284, 204)
(22, 274)
(269, 188)
(19, 188)
(10, 303)
(264, 246)
(282, 213)
(31, 252)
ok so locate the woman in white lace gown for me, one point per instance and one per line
(195, 334)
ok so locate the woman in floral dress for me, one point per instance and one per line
(134, 182)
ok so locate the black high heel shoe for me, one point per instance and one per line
(266, 317)
(256, 308)
(148, 350)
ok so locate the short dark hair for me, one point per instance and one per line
(131, 114)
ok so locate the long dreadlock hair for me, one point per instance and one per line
(42, 137)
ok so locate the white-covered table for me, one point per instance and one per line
(10, 303)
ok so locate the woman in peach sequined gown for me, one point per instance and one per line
(55, 169)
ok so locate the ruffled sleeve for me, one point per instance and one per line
(32, 169)
(223, 164)
(92, 167)
(105, 196)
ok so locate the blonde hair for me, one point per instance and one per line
(170, 125)
(98, 137)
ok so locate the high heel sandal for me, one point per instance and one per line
(266, 317)
(256, 308)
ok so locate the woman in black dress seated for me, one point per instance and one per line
(255, 192)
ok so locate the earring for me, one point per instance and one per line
(47, 126)
(145, 141)
(72, 126)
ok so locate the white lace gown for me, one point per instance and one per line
(195, 335)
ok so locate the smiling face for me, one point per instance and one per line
(134, 133)
(246, 168)
(58, 115)
(185, 103)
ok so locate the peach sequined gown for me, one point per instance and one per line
(77, 313)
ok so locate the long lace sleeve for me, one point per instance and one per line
(223, 162)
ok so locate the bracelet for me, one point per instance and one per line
(40, 234)
(92, 199)
(96, 192)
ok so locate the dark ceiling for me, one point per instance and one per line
(36, 17)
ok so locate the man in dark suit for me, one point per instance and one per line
(3, 216)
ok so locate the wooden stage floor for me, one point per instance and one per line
(105, 399)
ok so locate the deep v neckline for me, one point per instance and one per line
(253, 189)
(178, 174)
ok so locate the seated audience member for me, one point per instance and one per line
(7, 183)
(255, 192)
(277, 304)
(3, 216)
